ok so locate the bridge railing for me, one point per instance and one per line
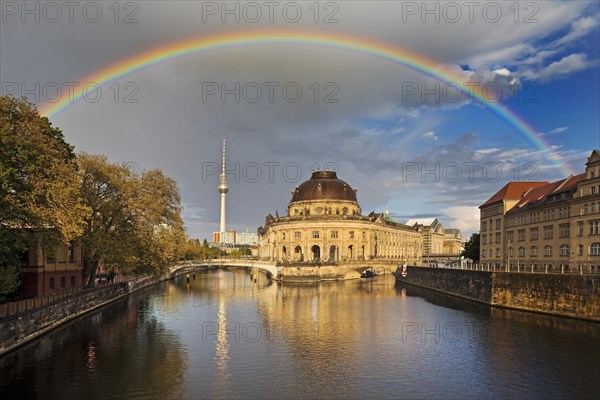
(13, 308)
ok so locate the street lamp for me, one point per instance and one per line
(508, 257)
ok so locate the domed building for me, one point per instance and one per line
(324, 223)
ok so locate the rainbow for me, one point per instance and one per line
(414, 61)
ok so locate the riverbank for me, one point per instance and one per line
(21, 328)
(568, 295)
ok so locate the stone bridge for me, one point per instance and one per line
(297, 272)
(270, 269)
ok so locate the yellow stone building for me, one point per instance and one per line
(324, 223)
(439, 243)
(543, 226)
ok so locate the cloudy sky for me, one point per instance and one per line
(401, 137)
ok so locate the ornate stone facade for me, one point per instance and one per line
(324, 224)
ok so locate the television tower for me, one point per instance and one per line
(223, 189)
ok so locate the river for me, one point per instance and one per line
(223, 335)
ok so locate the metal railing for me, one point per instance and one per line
(524, 268)
(12, 308)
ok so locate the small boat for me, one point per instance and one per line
(368, 273)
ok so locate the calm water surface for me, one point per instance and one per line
(224, 336)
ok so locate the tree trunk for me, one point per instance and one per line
(95, 263)
(90, 267)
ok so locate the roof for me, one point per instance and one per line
(512, 191)
(324, 185)
(594, 157)
(540, 195)
(421, 221)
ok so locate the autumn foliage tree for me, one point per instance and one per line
(39, 187)
(135, 221)
(124, 218)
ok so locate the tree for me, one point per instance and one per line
(471, 250)
(38, 185)
(135, 221)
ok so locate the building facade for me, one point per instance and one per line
(324, 223)
(438, 240)
(543, 226)
(49, 272)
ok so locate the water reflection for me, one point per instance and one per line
(224, 335)
(103, 355)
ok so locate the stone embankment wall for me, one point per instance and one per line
(576, 296)
(19, 329)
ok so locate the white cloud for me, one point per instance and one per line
(558, 130)
(579, 28)
(484, 152)
(465, 218)
(566, 65)
(430, 135)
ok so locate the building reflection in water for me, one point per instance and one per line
(356, 339)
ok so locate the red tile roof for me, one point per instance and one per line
(512, 191)
(539, 195)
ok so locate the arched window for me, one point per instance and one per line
(547, 250)
(564, 250)
(521, 251)
(595, 249)
(534, 250)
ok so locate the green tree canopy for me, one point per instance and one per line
(471, 250)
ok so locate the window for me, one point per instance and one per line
(585, 209)
(483, 253)
(334, 234)
(511, 251)
(351, 233)
(497, 252)
(580, 250)
(595, 249)
(593, 208)
(548, 251)
(283, 235)
(564, 230)
(510, 236)
(548, 232)
(498, 237)
(51, 283)
(498, 223)
(580, 229)
(364, 235)
(533, 232)
(521, 235)
(484, 239)
(298, 235)
(315, 234)
(484, 226)
(73, 281)
(62, 282)
(593, 190)
(594, 227)
(72, 252)
(534, 250)
(521, 251)
(564, 250)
